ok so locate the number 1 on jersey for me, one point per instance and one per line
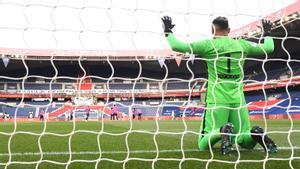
(228, 63)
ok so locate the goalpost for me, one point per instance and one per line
(114, 30)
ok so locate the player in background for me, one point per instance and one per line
(173, 114)
(225, 100)
(6, 116)
(133, 113)
(30, 115)
(139, 113)
(71, 112)
(41, 115)
(111, 113)
(67, 116)
(87, 113)
(114, 112)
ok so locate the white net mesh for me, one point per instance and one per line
(121, 59)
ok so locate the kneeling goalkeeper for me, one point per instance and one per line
(226, 113)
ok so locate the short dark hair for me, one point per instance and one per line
(221, 22)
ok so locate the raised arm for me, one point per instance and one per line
(179, 46)
(266, 47)
(198, 47)
(259, 48)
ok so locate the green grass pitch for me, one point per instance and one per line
(115, 140)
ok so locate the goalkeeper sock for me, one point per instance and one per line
(226, 145)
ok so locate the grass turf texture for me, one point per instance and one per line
(85, 141)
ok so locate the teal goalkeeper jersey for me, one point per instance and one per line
(225, 59)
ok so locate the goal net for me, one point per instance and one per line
(95, 84)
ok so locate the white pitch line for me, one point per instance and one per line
(119, 152)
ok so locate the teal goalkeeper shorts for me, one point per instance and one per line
(215, 116)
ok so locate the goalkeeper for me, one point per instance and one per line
(226, 111)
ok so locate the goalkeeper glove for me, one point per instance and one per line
(266, 26)
(167, 25)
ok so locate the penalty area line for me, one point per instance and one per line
(119, 152)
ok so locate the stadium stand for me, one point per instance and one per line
(178, 103)
(124, 86)
(282, 73)
(46, 86)
(98, 86)
(151, 106)
(177, 85)
(1, 86)
(12, 86)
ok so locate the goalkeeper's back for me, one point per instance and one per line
(225, 58)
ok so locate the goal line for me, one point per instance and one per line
(121, 152)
